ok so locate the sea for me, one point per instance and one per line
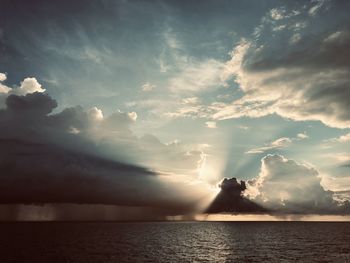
(177, 242)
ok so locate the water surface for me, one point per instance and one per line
(175, 242)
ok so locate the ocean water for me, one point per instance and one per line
(175, 242)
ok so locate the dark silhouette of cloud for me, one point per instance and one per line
(39, 173)
(231, 199)
(81, 157)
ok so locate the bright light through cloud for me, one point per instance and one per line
(148, 105)
(169, 119)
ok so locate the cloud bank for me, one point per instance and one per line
(286, 186)
(83, 157)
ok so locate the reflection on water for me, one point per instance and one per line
(175, 242)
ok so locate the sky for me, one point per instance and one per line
(146, 106)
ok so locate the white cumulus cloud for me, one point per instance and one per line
(29, 85)
(286, 185)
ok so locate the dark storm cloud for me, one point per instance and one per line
(38, 173)
(230, 199)
(50, 157)
(35, 105)
(41, 161)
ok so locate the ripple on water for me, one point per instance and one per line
(175, 242)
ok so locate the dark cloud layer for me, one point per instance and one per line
(42, 162)
(54, 158)
(39, 173)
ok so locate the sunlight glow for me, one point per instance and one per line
(210, 170)
(257, 217)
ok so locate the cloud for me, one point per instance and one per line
(282, 187)
(306, 79)
(190, 107)
(280, 143)
(39, 173)
(190, 74)
(79, 156)
(230, 199)
(42, 161)
(286, 186)
(243, 127)
(294, 39)
(211, 124)
(3, 88)
(173, 157)
(2, 76)
(302, 136)
(315, 8)
(33, 105)
(281, 13)
(196, 76)
(28, 86)
(147, 87)
(343, 138)
(277, 144)
(277, 14)
(95, 114)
